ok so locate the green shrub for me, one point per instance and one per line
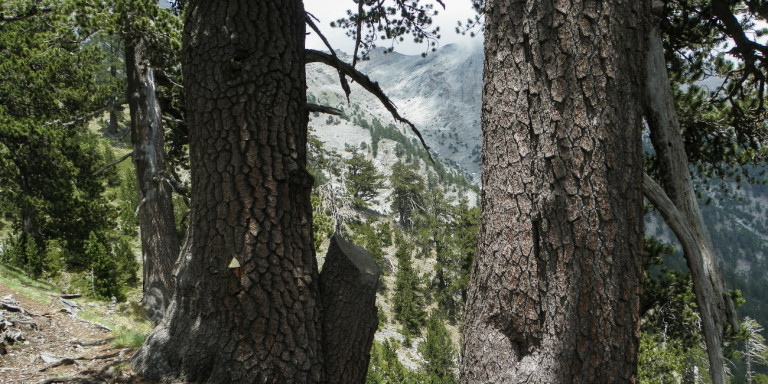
(106, 274)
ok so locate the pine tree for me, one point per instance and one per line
(755, 351)
(106, 274)
(407, 301)
(362, 179)
(47, 157)
(407, 192)
(438, 351)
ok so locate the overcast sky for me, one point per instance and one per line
(330, 10)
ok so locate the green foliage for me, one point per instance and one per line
(413, 152)
(54, 260)
(662, 361)
(407, 192)
(21, 252)
(438, 351)
(365, 235)
(127, 201)
(720, 91)
(181, 215)
(322, 224)
(671, 339)
(668, 304)
(391, 20)
(47, 157)
(127, 264)
(447, 231)
(760, 379)
(362, 179)
(408, 303)
(129, 337)
(384, 366)
(106, 277)
(111, 269)
(754, 351)
(385, 234)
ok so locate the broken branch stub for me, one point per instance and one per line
(348, 286)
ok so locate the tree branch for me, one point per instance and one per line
(672, 216)
(29, 13)
(678, 204)
(323, 109)
(722, 11)
(112, 164)
(359, 30)
(342, 79)
(313, 56)
(89, 116)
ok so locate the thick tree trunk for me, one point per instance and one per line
(245, 87)
(554, 295)
(159, 241)
(712, 297)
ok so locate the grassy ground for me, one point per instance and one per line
(127, 320)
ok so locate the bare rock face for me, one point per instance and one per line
(440, 93)
(348, 285)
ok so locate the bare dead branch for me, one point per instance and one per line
(342, 79)
(65, 361)
(74, 379)
(674, 218)
(313, 56)
(112, 164)
(92, 343)
(86, 117)
(165, 79)
(174, 120)
(358, 36)
(679, 207)
(323, 109)
(71, 361)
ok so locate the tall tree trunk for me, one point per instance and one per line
(159, 240)
(712, 297)
(245, 87)
(114, 124)
(555, 289)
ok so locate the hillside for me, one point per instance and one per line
(45, 338)
(441, 95)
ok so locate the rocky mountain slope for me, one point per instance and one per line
(441, 94)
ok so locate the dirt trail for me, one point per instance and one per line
(58, 346)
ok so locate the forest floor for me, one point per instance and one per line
(53, 340)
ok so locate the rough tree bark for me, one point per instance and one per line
(245, 90)
(349, 280)
(554, 295)
(159, 241)
(712, 297)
